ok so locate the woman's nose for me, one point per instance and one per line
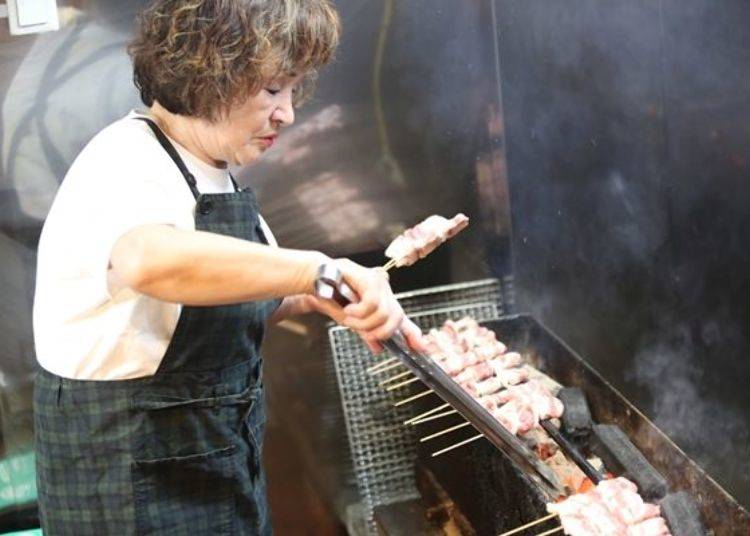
(284, 113)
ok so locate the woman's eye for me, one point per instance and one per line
(272, 91)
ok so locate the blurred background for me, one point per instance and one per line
(600, 147)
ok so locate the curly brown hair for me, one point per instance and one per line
(202, 57)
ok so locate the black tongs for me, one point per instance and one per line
(330, 285)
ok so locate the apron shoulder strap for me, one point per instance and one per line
(174, 155)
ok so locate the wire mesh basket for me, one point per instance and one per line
(383, 450)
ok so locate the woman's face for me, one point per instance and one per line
(251, 128)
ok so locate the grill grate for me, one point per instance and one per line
(383, 450)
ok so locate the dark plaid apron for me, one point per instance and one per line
(175, 453)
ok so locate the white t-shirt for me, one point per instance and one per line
(86, 325)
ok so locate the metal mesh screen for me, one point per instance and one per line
(383, 449)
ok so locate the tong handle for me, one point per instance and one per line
(330, 285)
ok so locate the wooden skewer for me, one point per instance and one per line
(384, 369)
(443, 432)
(462, 443)
(426, 413)
(527, 525)
(413, 398)
(401, 384)
(390, 264)
(396, 377)
(375, 367)
(551, 531)
(433, 417)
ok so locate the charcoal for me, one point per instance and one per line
(576, 419)
(622, 457)
(682, 515)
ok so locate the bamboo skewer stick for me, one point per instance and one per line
(401, 384)
(413, 398)
(443, 432)
(396, 377)
(426, 413)
(372, 369)
(433, 417)
(389, 367)
(528, 525)
(462, 443)
(390, 264)
(551, 531)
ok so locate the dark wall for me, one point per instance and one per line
(628, 146)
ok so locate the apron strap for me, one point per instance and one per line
(172, 152)
(234, 183)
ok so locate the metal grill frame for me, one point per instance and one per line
(383, 450)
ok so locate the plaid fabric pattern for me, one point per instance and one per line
(178, 453)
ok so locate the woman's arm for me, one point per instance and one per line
(299, 304)
(200, 268)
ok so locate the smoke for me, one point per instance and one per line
(712, 430)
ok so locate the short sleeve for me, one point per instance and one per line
(107, 201)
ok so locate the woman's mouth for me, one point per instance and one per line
(267, 141)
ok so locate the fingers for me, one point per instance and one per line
(331, 309)
(377, 315)
(374, 346)
(368, 302)
(413, 336)
(392, 323)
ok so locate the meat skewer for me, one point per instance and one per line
(433, 417)
(462, 443)
(613, 507)
(426, 413)
(413, 398)
(396, 377)
(419, 241)
(443, 432)
(529, 525)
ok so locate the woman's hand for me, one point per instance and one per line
(377, 315)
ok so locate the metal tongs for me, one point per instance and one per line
(330, 285)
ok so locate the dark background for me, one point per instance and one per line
(628, 140)
(611, 136)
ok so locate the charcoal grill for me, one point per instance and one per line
(493, 492)
(498, 498)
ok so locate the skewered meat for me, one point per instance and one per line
(419, 241)
(499, 367)
(516, 416)
(455, 363)
(506, 361)
(502, 379)
(490, 402)
(612, 508)
(584, 514)
(525, 405)
(461, 337)
(475, 373)
(486, 387)
(620, 495)
(537, 396)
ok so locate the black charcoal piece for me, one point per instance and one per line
(682, 515)
(576, 419)
(621, 456)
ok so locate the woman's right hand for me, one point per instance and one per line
(377, 315)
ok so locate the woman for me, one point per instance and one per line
(157, 276)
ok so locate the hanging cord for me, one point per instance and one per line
(387, 159)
